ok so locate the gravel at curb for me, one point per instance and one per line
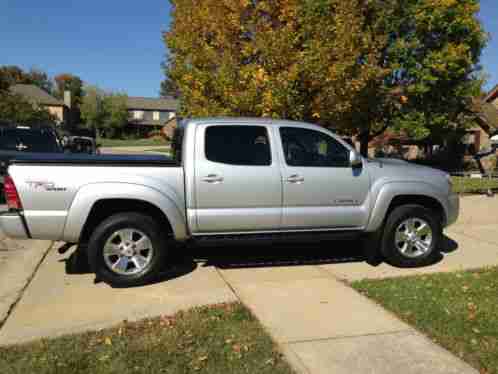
(24, 257)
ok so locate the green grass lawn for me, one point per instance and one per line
(457, 310)
(221, 339)
(468, 185)
(131, 142)
(161, 150)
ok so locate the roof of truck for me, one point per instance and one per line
(242, 120)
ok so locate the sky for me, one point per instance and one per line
(117, 44)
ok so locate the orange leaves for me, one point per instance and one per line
(472, 311)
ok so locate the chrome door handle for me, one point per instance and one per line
(213, 178)
(295, 179)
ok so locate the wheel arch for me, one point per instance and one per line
(105, 208)
(394, 195)
(94, 203)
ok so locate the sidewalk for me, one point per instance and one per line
(18, 262)
(323, 326)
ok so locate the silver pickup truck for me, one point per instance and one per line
(227, 179)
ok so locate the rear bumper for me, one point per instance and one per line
(13, 225)
(453, 209)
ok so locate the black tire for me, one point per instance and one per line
(123, 221)
(371, 244)
(389, 248)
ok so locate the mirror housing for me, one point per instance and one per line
(355, 159)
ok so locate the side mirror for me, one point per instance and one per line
(355, 159)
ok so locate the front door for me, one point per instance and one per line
(237, 179)
(320, 188)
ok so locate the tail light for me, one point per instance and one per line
(11, 195)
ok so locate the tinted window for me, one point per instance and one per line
(238, 145)
(28, 140)
(304, 147)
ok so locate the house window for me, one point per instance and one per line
(155, 116)
(171, 115)
(138, 114)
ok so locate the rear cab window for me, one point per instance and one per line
(238, 145)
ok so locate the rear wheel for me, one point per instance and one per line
(411, 236)
(127, 249)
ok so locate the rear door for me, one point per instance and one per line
(237, 179)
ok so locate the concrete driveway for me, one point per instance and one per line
(296, 291)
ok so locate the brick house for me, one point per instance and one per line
(148, 115)
(487, 109)
(39, 98)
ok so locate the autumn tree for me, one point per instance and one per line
(359, 66)
(11, 74)
(168, 87)
(15, 108)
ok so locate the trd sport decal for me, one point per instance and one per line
(44, 185)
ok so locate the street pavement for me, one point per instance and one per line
(298, 292)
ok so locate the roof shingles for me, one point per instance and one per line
(35, 94)
(148, 103)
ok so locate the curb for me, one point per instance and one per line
(18, 272)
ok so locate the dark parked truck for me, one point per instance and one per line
(21, 140)
(229, 178)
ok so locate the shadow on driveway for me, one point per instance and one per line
(186, 259)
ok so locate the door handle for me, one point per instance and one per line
(213, 178)
(295, 179)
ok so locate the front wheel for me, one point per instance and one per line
(127, 250)
(411, 237)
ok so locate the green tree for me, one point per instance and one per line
(15, 109)
(106, 112)
(431, 60)
(360, 66)
(116, 114)
(92, 109)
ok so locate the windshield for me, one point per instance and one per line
(28, 140)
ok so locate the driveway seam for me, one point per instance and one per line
(295, 361)
(407, 330)
(23, 289)
(228, 284)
